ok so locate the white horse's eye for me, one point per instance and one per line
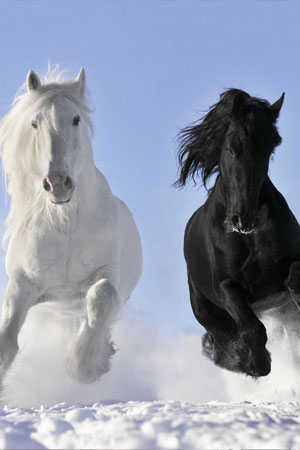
(76, 121)
(33, 124)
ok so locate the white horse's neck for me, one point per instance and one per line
(85, 188)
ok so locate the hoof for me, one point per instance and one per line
(88, 366)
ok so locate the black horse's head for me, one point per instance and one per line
(233, 354)
(244, 159)
(236, 138)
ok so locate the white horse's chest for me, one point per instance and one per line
(69, 256)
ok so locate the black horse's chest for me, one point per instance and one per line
(265, 269)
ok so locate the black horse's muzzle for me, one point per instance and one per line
(241, 224)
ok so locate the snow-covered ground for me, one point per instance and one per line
(160, 393)
(153, 425)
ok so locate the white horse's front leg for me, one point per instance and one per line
(20, 295)
(88, 356)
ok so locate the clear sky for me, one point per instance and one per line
(152, 67)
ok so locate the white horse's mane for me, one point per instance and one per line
(19, 161)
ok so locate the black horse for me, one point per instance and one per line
(242, 247)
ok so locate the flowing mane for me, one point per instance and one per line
(200, 144)
(19, 158)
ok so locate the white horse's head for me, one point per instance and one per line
(57, 135)
(44, 141)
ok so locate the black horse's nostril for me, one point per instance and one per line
(243, 224)
(236, 221)
(68, 182)
(46, 185)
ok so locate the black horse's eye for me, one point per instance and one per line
(33, 124)
(230, 151)
(76, 121)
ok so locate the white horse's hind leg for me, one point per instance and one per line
(20, 295)
(88, 356)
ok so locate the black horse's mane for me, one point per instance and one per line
(201, 143)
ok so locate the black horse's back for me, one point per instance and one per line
(242, 246)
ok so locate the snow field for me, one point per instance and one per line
(160, 393)
(152, 425)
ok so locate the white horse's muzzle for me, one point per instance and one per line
(60, 189)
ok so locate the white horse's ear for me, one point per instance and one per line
(80, 82)
(32, 81)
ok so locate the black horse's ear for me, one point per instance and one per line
(276, 107)
(238, 107)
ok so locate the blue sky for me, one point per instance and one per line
(152, 67)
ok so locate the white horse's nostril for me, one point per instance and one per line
(68, 182)
(46, 185)
(52, 185)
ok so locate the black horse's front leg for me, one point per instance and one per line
(214, 319)
(236, 302)
(293, 283)
(251, 330)
(221, 328)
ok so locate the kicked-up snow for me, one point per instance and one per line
(160, 393)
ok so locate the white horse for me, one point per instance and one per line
(71, 240)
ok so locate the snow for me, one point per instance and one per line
(160, 393)
(150, 425)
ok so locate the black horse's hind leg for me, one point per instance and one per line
(293, 283)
